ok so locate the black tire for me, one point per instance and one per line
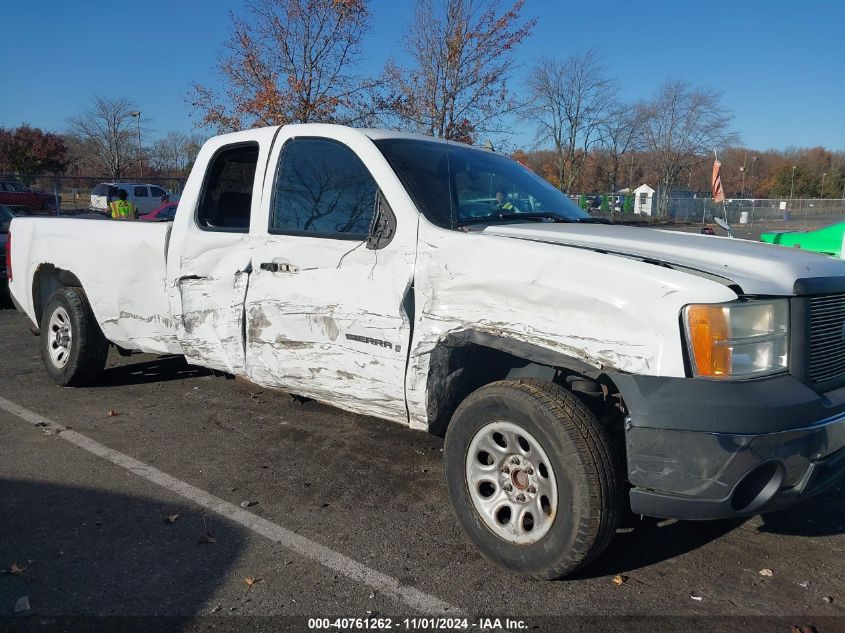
(589, 490)
(87, 350)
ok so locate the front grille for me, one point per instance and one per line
(826, 352)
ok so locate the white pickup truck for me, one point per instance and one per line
(576, 369)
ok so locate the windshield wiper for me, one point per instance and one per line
(593, 221)
(536, 217)
(507, 217)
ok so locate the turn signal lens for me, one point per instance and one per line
(708, 334)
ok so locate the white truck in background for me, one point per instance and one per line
(576, 369)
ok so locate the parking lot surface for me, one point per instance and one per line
(193, 494)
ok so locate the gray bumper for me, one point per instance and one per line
(719, 460)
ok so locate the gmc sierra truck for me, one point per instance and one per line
(577, 369)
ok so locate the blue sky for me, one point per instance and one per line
(779, 64)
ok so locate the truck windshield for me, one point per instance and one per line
(456, 185)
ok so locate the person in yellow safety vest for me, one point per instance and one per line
(503, 205)
(123, 209)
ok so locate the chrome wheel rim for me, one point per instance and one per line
(59, 337)
(511, 483)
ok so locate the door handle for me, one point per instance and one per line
(279, 267)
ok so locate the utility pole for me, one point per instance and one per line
(821, 193)
(137, 115)
(631, 176)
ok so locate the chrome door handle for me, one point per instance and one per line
(279, 267)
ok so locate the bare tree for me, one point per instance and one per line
(169, 153)
(463, 57)
(571, 100)
(290, 61)
(622, 132)
(193, 144)
(105, 136)
(684, 123)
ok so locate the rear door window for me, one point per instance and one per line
(226, 199)
(141, 192)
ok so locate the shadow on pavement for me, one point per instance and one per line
(161, 369)
(80, 552)
(645, 542)
(822, 515)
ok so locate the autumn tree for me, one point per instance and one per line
(28, 150)
(462, 58)
(572, 100)
(290, 61)
(104, 137)
(683, 125)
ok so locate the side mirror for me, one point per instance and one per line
(723, 224)
(383, 224)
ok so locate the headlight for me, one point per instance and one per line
(738, 340)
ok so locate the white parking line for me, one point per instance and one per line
(414, 598)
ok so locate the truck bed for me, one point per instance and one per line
(121, 265)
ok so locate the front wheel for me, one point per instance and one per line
(73, 347)
(532, 478)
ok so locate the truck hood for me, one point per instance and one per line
(757, 268)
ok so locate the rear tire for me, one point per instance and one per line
(519, 448)
(73, 347)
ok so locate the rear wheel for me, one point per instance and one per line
(73, 347)
(532, 478)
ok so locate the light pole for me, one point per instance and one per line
(137, 115)
(821, 193)
(751, 177)
(792, 183)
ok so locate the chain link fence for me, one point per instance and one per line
(74, 192)
(694, 210)
(751, 210)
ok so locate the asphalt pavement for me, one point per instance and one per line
(172, 491)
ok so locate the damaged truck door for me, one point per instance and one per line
(211, 252)
(329, 301)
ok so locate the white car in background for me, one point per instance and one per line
(145, 196)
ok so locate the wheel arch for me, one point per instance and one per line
(46, 280)
(464, 361)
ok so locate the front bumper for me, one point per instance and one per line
(708, 450)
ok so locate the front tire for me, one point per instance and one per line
(73, 347)
(532, 478)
